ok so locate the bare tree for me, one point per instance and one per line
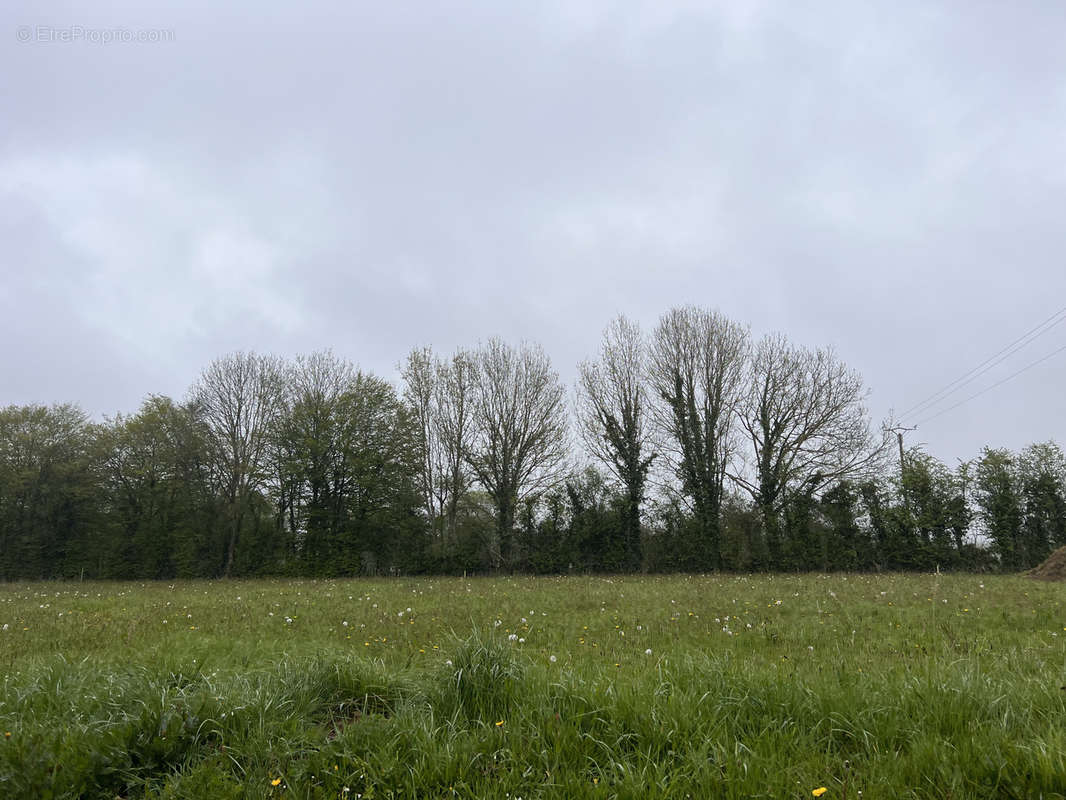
(697, 369)
(519, 437)
(453, 428)
(438, 394)
(807, 424)
(420, 394)
(240, 396)
(612, 420)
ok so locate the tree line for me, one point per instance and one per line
(689, 447)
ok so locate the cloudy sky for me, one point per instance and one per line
(888, 179)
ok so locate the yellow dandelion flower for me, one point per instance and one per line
(276, 782)
(819, 791)
(499, 724)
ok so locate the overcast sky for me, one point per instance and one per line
(888, 179)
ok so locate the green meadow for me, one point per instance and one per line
(864, 686)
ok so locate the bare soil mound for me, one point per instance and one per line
(1053, 569)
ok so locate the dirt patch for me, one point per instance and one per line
(1053, 569)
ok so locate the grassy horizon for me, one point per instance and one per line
(645, 686)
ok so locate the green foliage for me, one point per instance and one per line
(346, 476)
(1042, 469)
(999, 506)
(145, 496)
(161, 496)
(49, 508)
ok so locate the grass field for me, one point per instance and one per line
(683, 686)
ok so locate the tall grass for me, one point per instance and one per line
(754, 687)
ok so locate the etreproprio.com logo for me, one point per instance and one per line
(69, 34)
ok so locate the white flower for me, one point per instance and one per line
(6, 625)
(647, 652)
(522, 640)
(513, 637)
(345, 623)
(552, 659)
(810, 647)
(288, 620)
(448, 662)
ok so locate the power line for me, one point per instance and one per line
(997, 358)
(992, 361)
(993, 386)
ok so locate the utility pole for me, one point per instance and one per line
(899, 430)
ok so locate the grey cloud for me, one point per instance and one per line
(885, 178)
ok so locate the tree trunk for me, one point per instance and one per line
(505, 531)
(634, 557)
(235, 530)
